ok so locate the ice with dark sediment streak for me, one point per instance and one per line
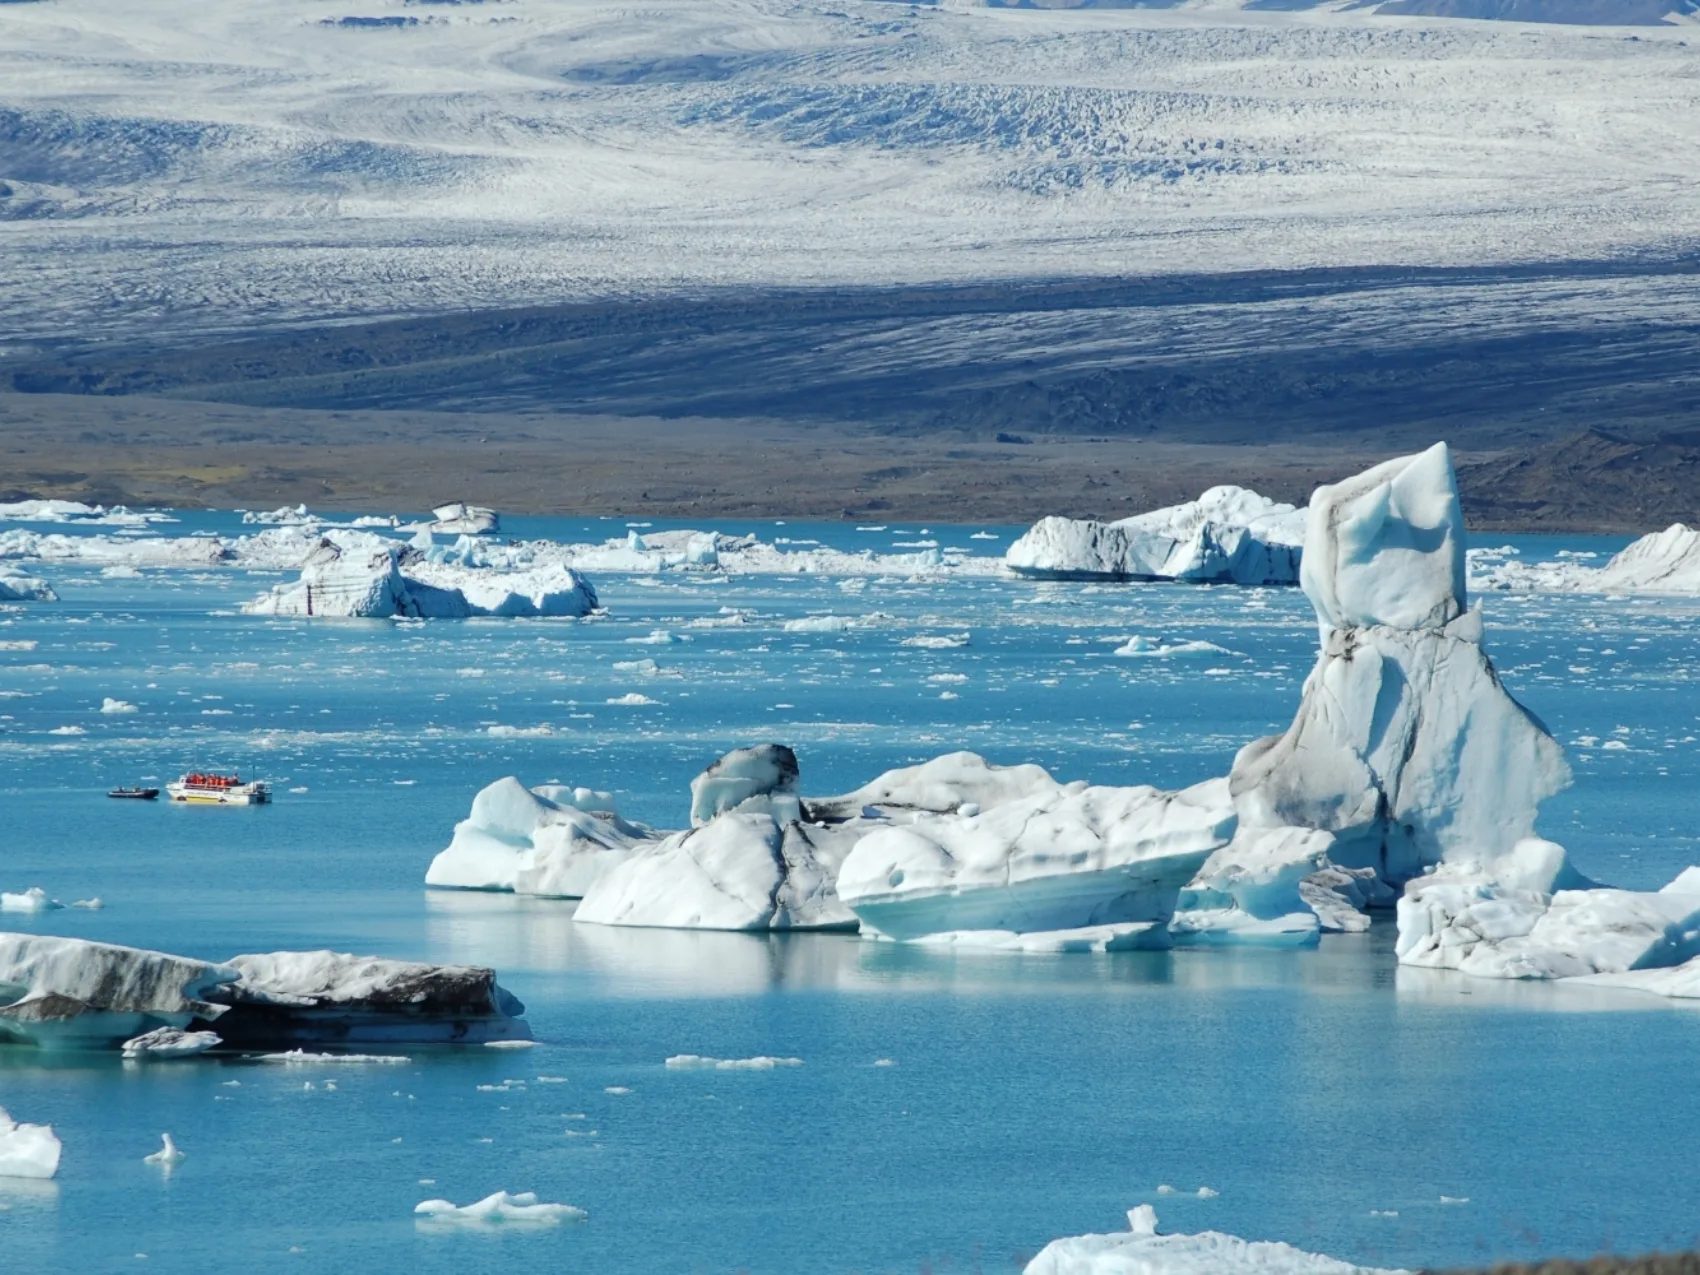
(18, 586)
(75, 994)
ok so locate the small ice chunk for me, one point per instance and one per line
(1207, 1193)
(170, 1042)
(501, 1207)
(632, 700)
(110, 705)
(1142, 1219)
(760, 1063)
(33, 899)
(168, 1154)
(1454, 1199)
(93, 905)
(616, 1089)
(510, 1044)
(300, 1057)
(27, 1150)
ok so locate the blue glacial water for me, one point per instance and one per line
(1026, 1097)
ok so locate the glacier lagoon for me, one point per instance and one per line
(1027, 1097)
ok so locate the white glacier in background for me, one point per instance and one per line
(27, 1150)
(1229, 535)
(1140, 1250)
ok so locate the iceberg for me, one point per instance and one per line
(15, 586)
(460, 518)
(1253, 891)
(1405, 746)
(749, 861)
(167, 1155)
(1516, 920)
(551, 841)
(74, 994)
(500, 1207)
(1661, 562)
(1140, 1250)
(364, 576)
(34, 899)
(169, 1042)
(1229, 535)
(333, 998)
(27, 1150)
(1063, 858)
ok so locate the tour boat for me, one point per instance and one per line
(135, 794)
(219, 790)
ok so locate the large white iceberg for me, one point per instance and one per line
(70, 993)
(552, 841)
(748, 862)
(1140, 1250)
(1067, 857)
(1228, 535)
(1405, 746)
(27, 1150)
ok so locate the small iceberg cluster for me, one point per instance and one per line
(27, 1150)
(461, 519)
(1140, 1250)
(1229, 535)
(1661, 562)
(75, 994)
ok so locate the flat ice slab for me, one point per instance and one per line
(27, 1150)
(498, 1208)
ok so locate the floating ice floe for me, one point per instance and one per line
(500, 1207)
(27, 1150)
(1228, 535)
(15, 586)
(281, 517)
(460, 518)
(75, 511)
(170, 1042)
(1140, 1250)
(1138, 645)
(699, 1062)
(116, 706)
(71, 993)
(34, 899)
(307, 1058)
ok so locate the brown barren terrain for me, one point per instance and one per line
(150, 451)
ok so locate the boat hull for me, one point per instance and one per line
(226, 797)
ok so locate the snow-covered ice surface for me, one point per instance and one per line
(1142, 1251)
(377, 739)
(392, 159)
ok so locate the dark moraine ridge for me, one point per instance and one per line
(1570, 391)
